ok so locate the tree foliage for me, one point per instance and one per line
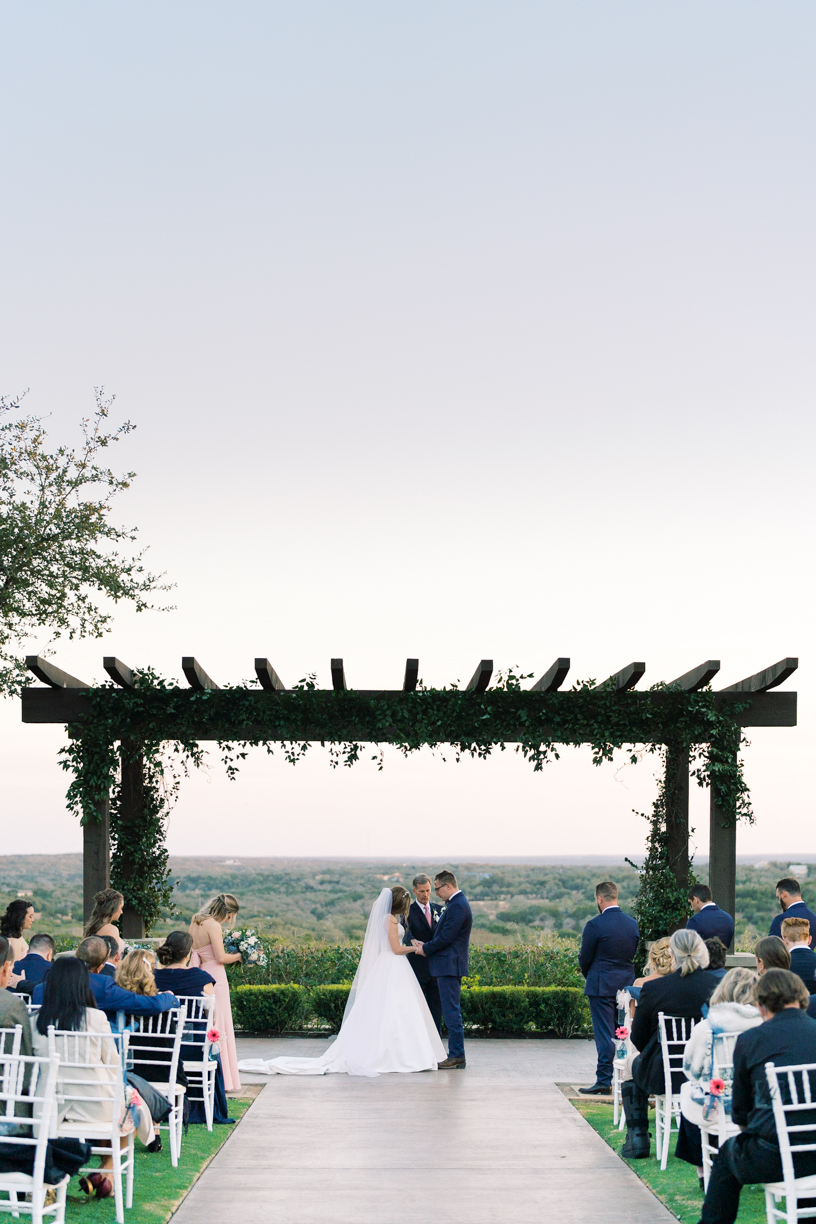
(62, 559)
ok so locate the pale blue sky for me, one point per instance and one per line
(451, 330)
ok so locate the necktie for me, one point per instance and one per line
(428, 914)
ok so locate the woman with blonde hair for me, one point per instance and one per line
(684, 992)
(136, 972)
(108, 907)
(207, 932)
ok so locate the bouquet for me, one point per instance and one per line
(248, 944)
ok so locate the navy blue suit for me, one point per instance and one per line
(447, 955)
(418, 928)
(607, 951)
(713, 923)
(111, 998)
(803, 963)
(797, 910)
(34, 967)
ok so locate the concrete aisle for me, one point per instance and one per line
(493, 1144)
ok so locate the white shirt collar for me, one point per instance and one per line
(803, 944)
(454, 894)
(606, 907)
(707, 904)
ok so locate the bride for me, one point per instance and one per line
(386, 1025)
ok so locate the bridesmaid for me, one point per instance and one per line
(18, 918)
(209, 954)
(107, 910)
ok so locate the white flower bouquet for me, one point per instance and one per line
(249, 945)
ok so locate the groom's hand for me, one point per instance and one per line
(418, 948)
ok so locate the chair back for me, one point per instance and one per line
(32, 1009)
(198, 1020)
(81, 1053)
(27, 1092)
(11, 1039)
(155, 1044)
(674, 1034)
(793, 1097)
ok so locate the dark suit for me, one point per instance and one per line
(803, 963)
(674, 995)
(713, 923)
(753, 1156)
(111, 998)
(447, 955)
(34, 967)
(607, 951)
(797, 910)
(108, 970)
(418, 928)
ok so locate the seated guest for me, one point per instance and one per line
(771, 953)
(136, 972)
(176, 974)
(708, 920)
(12, 1008)
(68, 1003)
(797, 939)
(731, 1010)
(111, 998)
(789, 896)
(717, 953)
(35, 964)
(786, 1038)
(114, 956)
(681, 993)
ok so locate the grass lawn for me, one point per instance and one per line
(158, 1188)
(678, 1187)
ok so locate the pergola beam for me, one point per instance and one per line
(552, 679)
(197, 678)
(698, 677)
(338, 675)
(53, 676)
(268, 677)
(411, 678)
(626, 678)
(760, 682)
(481, 677)
(118, 672)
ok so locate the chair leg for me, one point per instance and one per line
(667, 1130)
(130, 1171)
(658, 1130)
(208, 1087)
(171, 1126)
(615, 1096)
(179, 1124)
(117, 1181)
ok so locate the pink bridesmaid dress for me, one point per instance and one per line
(205, 959)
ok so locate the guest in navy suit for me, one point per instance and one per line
(606, 960)
(789, 896)
(114, 960)
(109, 997)
(708, 920)
(423, 918)
(797, 938)
(35, 964)
(447, 955)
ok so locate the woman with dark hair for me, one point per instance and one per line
(18, 917)
(69, 1005)
(771, 953)
(107, 910)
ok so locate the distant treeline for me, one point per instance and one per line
(310, 899)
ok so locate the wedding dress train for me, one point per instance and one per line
(387, 1026)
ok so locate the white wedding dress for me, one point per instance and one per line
(386, 1025)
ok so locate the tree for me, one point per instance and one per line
(61, 556)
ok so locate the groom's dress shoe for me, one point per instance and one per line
(451, 1064)
(597, 1090)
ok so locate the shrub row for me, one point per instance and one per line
(552, 962)
(557, 1010)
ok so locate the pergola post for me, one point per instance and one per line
(677, 813)
(722, 857)
(95, 856)
(131, 810)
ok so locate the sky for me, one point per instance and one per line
(450, 330)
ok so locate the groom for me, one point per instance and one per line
(447, 954)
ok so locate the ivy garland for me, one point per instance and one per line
(167, 722)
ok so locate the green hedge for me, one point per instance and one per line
(561, 1011)
(551, 962)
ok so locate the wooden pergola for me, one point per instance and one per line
(67, 700)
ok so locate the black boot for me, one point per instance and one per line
(636, 1109)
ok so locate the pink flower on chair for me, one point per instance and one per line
(716, 1087)
(622, 1033)
(213, 1035)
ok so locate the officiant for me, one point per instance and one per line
(423, 916)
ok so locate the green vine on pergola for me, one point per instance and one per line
(468, 723)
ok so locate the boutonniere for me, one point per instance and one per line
(441, 913)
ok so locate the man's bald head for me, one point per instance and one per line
(94, 952)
